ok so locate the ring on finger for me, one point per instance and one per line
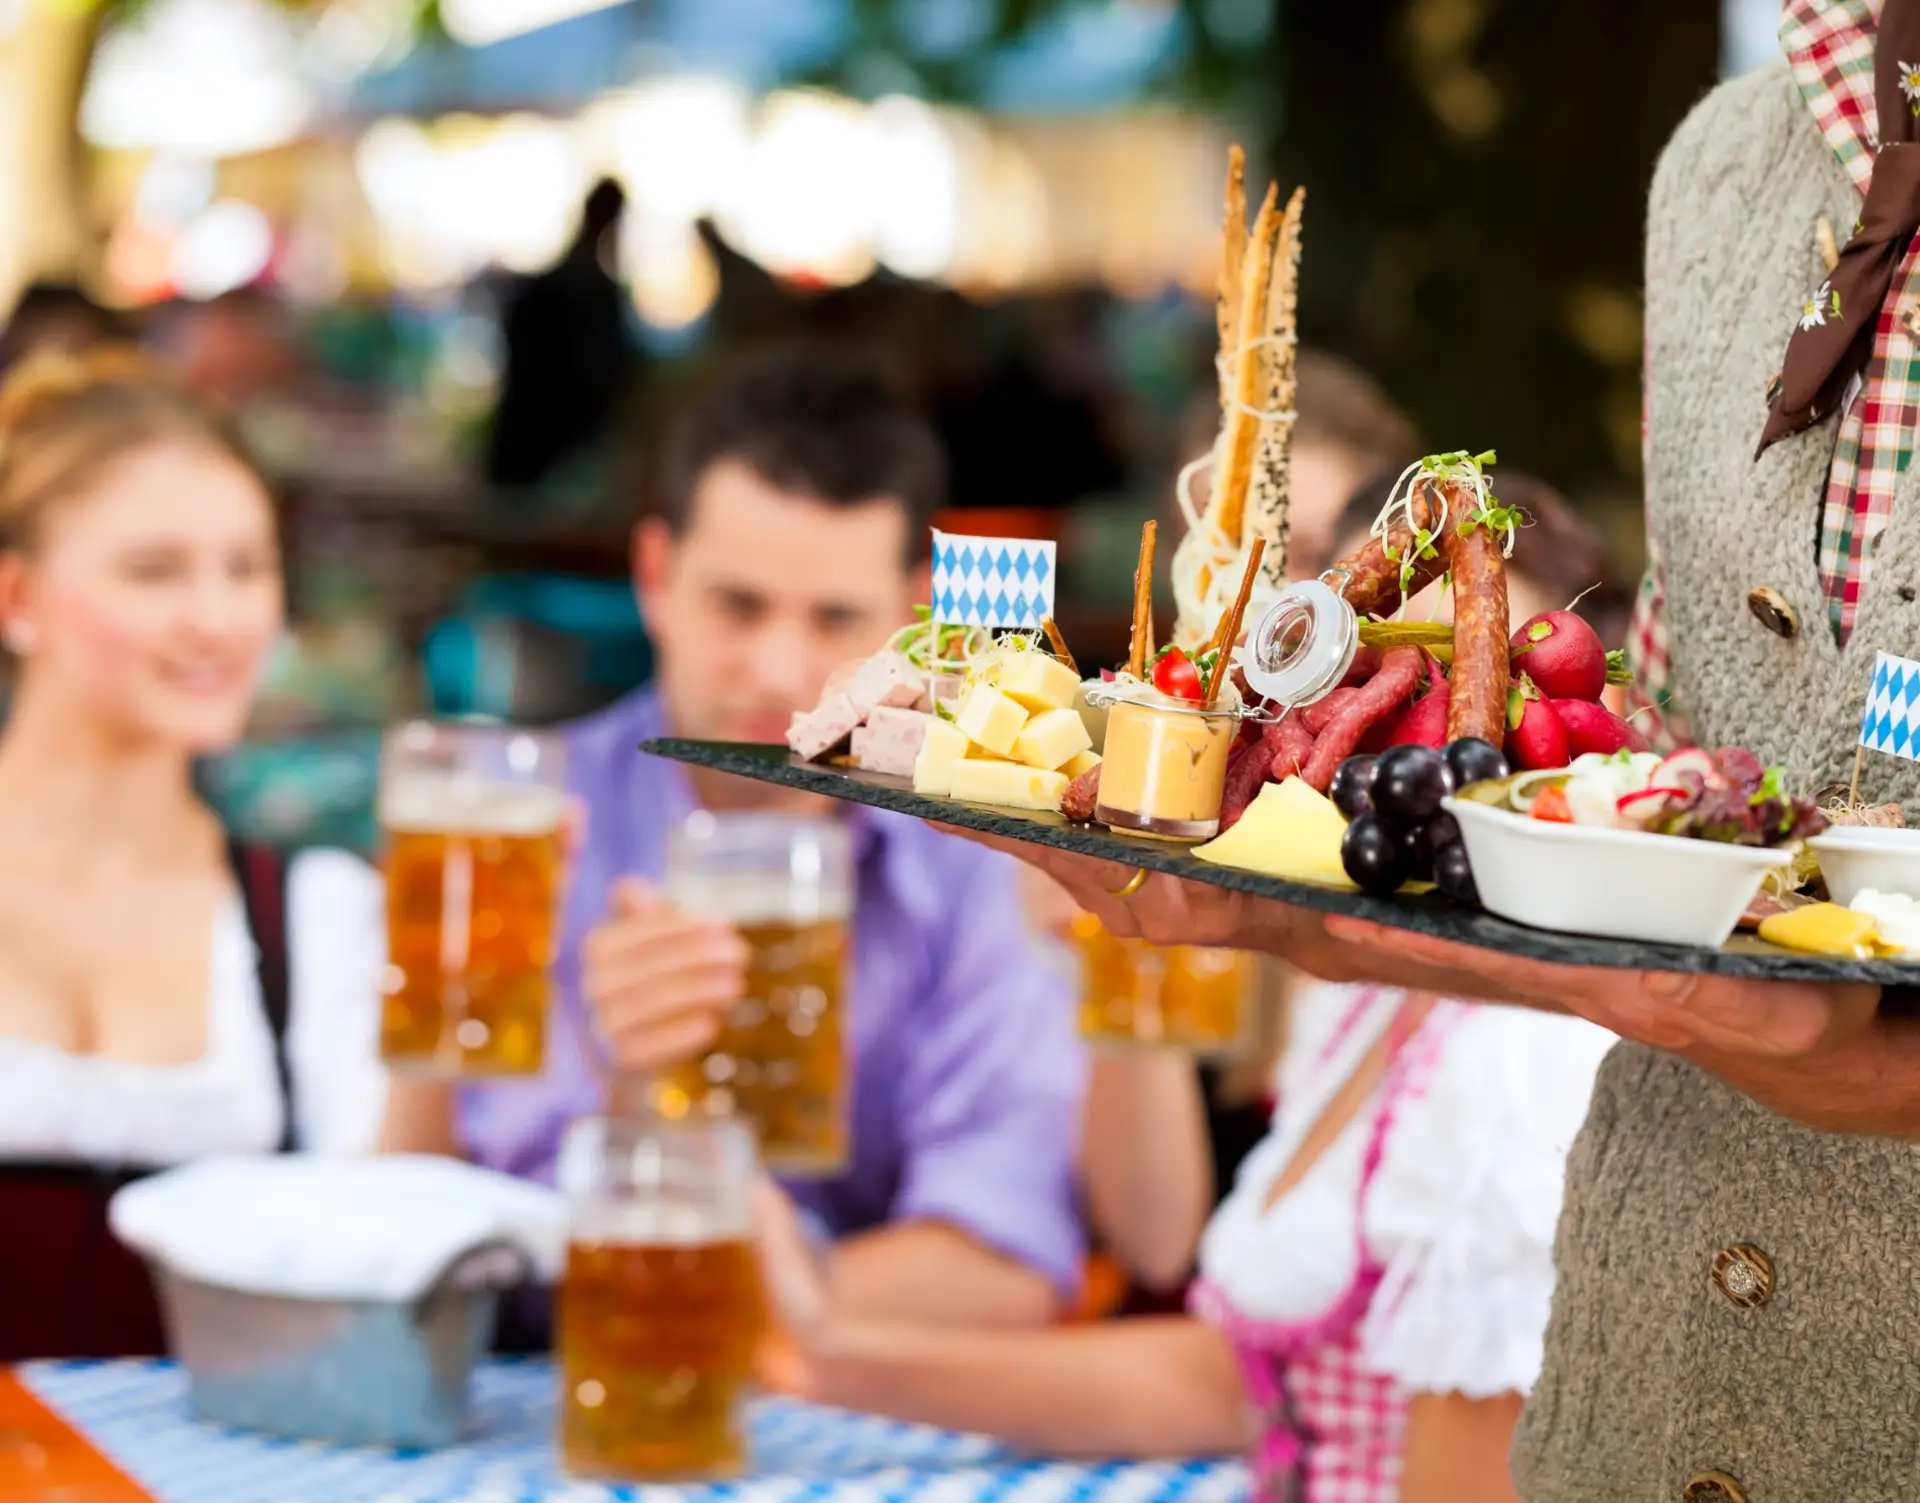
(1132, 885)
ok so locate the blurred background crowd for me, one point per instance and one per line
(454, 265)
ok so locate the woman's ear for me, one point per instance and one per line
(920, 582)
(18, 630)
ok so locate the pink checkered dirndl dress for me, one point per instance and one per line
(1333, 1432)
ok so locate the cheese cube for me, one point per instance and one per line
(944, 745)
(1085, 762)
(991, 719)
(1037, 681)
(1007, 784)
(1052, 739)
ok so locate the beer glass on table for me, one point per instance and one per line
(472, 820)
(659, 1308)
(1174, 997)
(786, 885)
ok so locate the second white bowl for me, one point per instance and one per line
(1854, 858)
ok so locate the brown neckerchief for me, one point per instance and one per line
(1834, 338)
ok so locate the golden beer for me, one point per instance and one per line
(656, 1342)
(473, 872)
(659, 1311)
(780, 1061)
(1180, 997)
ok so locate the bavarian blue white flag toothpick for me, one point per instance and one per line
(1891, 721)
(992, 582)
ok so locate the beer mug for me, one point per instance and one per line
(472, 820)
(786, 885)
(1178, 997)
(659, 1308)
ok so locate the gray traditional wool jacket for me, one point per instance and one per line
(1738, 1314)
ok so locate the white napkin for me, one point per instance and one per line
(323, 1227)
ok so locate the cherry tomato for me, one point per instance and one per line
(1176, 677)
(1551, 805)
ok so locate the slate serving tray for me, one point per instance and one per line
(1743, 955)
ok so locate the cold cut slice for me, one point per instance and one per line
(890, 740)
(814, 733)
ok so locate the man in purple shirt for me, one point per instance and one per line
(793, 518)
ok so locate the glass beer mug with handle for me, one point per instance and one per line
(786, 885)
(473, 821)
(1175, 997)
(660, 1308)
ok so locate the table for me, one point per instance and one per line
(136, 1414)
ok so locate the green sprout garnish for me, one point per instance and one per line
(1208, 661)
(1457, 468)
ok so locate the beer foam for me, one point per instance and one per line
(759, 897)
(452, 804)
(657, 1223)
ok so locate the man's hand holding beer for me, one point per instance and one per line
(659, 981)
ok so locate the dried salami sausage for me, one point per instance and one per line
(1291, 744)
(1244, 780)
(1400, 673)
(1373, 579)
(1480, 658)
(1082, 794)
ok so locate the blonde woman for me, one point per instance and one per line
(163, 994)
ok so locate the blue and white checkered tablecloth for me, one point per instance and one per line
(136, 1412)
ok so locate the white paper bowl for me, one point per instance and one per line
(1616, 884)
(1855, 858)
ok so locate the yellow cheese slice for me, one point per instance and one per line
(945, 744)
(1085, 762)
(990, 719)
(1825, 929)
(1036, 681)
(1007, 784)
(1052, 739)
(1289, 831)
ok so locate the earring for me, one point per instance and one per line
(18, 637)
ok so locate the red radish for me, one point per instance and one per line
(1535, 736)
(1648, 804)
(1378, 738)
(1562, 654)
(1595, 728)
(1425, 724)
(1690, 763)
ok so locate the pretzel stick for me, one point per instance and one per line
(1143, 602)
(1229, 631)
(1058, 643)
(1241, 433)
(1270, 488)
(1233, 251)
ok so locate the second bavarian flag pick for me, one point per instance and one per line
(1890, 722)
